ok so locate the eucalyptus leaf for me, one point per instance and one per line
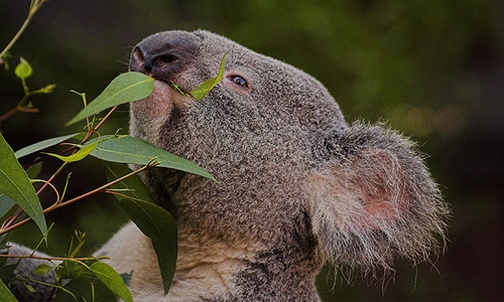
(127, 149)
(5, 294)
(112, 280)
(133, 185)
(125, 88)
(6, 204)
(14, 183)
(203, 89)
(77, 156)
(82, 288)
(42, 269)
(42, 145)
(34, 170)
(29, 288)
(72, 270)
(23, 69)
(159, 225)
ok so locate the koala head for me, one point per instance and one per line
(298, 184)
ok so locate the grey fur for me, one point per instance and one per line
(298, 185)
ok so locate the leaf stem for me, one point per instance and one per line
(34, 7)
(53, 258)
(104, 118)
(20, 107)
(52, 178)
(8, 114)
(95, 129)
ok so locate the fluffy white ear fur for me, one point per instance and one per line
(374, 201)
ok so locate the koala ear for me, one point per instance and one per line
(372, 199)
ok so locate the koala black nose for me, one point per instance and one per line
(165, 54)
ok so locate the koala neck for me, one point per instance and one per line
(208, 264)
(240, 269)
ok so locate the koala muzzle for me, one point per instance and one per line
(164, 55)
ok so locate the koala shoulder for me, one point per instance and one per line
(130, 251)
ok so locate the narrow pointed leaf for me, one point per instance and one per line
(79, 155)
(42, 269)
(112, 280)
(5, 294)
(17, 186)
(209, 84)
(127, 87)
(42, 145)
(133, 184)
(34, 170)
(159, 225)
(127, 149)
(6, 204)
(86, 289)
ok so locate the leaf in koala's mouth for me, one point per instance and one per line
(176, 88)
(205, 87)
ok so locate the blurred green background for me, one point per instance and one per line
(434, 69)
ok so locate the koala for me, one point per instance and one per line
(298, 186)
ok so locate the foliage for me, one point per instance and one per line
(417, 64)
(20, 201)
(199, 92)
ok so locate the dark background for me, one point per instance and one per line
(433, 69)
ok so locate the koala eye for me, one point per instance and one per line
(238, 80)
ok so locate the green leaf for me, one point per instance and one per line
(47, 89)
(34, 170)
(5, 294)
(23, 69)
(72, 270)
(132, 186)
(159, 225)
(82, 288)
(127, 87)
(209, 84)
(42, 269)
(5, 204)
(127, 149)
(79, 155)
(176, 88)
(29, 288)
(17, 186)
(42, 145)
(112, 280)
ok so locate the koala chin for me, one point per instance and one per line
(298, 185)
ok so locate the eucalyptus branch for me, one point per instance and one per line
(75, 259)
(52, 177)
(34, 7)
(95, 129)
(17, 109)
(56, 206)
(48, 183)
(8, 222)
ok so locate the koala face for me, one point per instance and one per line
(298, 185)
(252, 131)
(253, 84)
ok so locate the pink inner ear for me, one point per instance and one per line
(365, 194)
(378, 211)
(380, 187)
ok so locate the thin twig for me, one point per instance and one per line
(33, 10)
(53, 258)
(62, 204)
